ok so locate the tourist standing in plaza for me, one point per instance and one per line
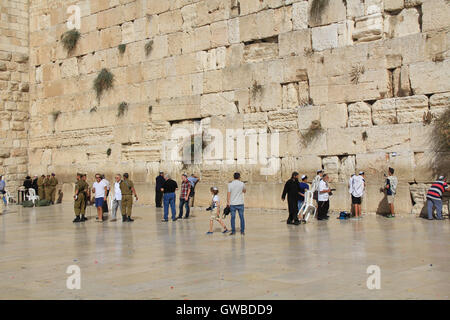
(3, 190)
(185, 191)
(47, 188)
(391, 190)
(117, 200)
(357, 190)
(193, 179)
(80, 199)
(99, 190)
(323, 198)
(235, 200)
(434, 197)
(52, 183)
(169, 188)
(292, 190)
(108, 187)
(127, 190)
(215, 211)
(158, 193)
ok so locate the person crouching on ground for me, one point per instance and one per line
(215, 211)
(324, 198)
(99, 189)
(292, 190)
(434, 197)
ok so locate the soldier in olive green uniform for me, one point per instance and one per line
(47, 188)
(80, 199)
(127, 189)
(53, 182)
(41, 190)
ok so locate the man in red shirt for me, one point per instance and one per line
(184, 196)
(434, 197)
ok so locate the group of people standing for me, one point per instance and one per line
(122, 197)
(44, 186)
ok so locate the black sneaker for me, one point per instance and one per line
(174, 219)
(296, 223)
(124, 218)
(129, 219)
(77, 219)
(289, 222)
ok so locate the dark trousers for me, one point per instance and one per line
(293, 209)
(158, 199)
(184, 203)
(323, 209)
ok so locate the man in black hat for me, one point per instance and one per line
(292, 190)
(158, 193)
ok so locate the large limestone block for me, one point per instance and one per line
(219, 34)
(260, 51)
(331, 167)
(333, 115)
(238, 77)
(393, 5)
(283, 120)
(304, 164)
(267, 97)
(439, 103)
(156, 6)
(234, 31)
(355, 8)
(384, 112)
(359, 115)
(430, 77)
(368, 28)
(294, 43)
(218, 104)
(69, 68)
(177, 109)
(421, 137)
(300, 15)
(257, 120)
(435, 15)
(290, 96)
(170, 21)
(345, 33)
(335, 11)
(403, 24)
(306, 115)
(325, 37)
(411, 109)
(342, 141)
(347, 167)
(389, 138)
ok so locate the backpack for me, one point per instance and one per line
(27, 204)
(43, 203)
(226, 212)
(343, 215)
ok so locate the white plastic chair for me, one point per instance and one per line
(31, 196)
(304, 212)
(8, 198)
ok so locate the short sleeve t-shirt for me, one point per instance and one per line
(235, 188)
(323, 186)
(215, 202)
(99, 189)
(303, 187)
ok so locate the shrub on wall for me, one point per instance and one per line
(123, 107)
(441, 132)
(148, 47)
(104, 81)
(69, 39)
(122, 48)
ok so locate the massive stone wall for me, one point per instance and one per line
(14, 88)
(368, 71)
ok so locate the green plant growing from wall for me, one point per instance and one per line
(122, 47)
(108, 152)
(256, 89)
(317, 9)
(364, 135)
(122, 108)
(55, 115)
(103, 82)
(150, 108)
(441, 132)
(314, 130)
(356, 73)
(148, 47)
(93, 109)
(69, 39)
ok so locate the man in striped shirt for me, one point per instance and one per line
(434, 197)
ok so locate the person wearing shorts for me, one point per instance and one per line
(358, 185)
(215, 211)
(391, 190)
(99, 188)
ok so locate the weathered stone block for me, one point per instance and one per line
(333, 115)
(360, 115)
(335, 11)
(411, 109)
(260, 51)
(294, 43)
(439, 103)
(218, 104)
(368, 28)
(398, 138)
(325, 37)
(283, 120)
(300, 15)
(392, 5)
(435, 15)
(429, 77)
(290, 96)
(403, 24)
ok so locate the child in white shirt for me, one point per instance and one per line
(215, 211)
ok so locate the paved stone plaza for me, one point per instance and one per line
(148, 259)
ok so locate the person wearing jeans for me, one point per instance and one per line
(169, 188)
(235, 200)
(184, 196)
(117, 202)
(434, 197)
(2, 190)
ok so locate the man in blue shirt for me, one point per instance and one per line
(193, 180)
(303, 187)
